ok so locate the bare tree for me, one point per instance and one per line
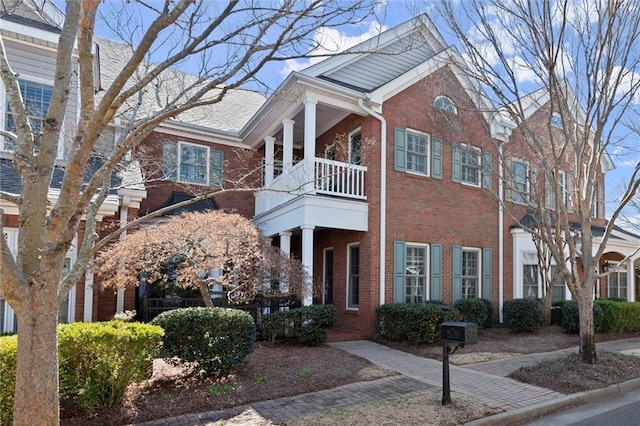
(583, 59)
(229, 42)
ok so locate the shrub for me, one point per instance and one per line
(489, 305)
(308, 324)
(523, 314)
(212, 340)
(473, 310)
(571, 317)
(417, 323)
(99, 360)
(8, 356)
(620, 316)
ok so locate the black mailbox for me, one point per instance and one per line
(459, 332)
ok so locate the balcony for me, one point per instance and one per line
(314, 192)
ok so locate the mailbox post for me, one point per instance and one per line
(460, 334)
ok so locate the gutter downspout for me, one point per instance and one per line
(383, 195)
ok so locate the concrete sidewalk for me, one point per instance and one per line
(485, 381)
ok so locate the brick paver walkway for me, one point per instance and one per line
(485, 381)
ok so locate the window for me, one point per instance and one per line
(470, 273)
(328, 276)
(562, 184)
(518, 181)
(470, 160)
(530, 278)
(417, 153)
(191, 163)
(557, 291)
(36, 98)
(617, 282)
(445, 104)
(415, 274)
(598, 201)
(355, 147)
(556, 120)
(353, 276)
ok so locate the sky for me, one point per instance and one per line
(394, 12)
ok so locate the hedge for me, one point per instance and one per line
(571, 318)
(473, 310)
(212, 340)
(98, 360)
(8, 355)
(522, 314)
(620, 316)
(307, 324)
(417, 323)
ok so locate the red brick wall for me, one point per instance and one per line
(237, 165)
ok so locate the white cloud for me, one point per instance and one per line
(331, 41)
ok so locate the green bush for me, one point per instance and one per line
(417, 323)
(214, 339)
(620, 316)
(523, 314)
(307, 324)
(98, 360)
(489, 305)
(473, 310)
(8, 356)
(571, 317)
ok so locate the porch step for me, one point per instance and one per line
(344, 335)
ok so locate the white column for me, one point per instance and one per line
(307, 262)
(309, 141)
(88, 294)
(268, 160)
(287, 145)
(285, 247)
(124, 218)
(631, 282)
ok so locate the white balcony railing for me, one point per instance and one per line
(325, 177)
(339, 179)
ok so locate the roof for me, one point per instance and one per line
(178, 197)
(229, 115)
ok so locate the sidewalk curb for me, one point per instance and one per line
(544, 408)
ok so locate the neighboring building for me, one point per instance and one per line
(379, 171)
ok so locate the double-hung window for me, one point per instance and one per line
(530, 277)
(518, 181)
(36, 97)
(470, 160)
(617, 282)
(470, 273)
(353, 276)
(415, 274)
(561, 185)
(192, 164)
(417, 153)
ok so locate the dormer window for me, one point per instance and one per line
(556, 120)
(36, 99)
(445, 104)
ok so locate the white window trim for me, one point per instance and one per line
(530, 262)
(207, 163)
(479, 276)
(427, 269)
(348, 308)
(351, 135)
(427, 165)
(465, 146)
(455, 108)
(527, 195)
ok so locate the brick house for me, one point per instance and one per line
(380, 172)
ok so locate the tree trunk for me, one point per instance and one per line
(204, 293)
(546, 308)
(36, 395)
(587, 333)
